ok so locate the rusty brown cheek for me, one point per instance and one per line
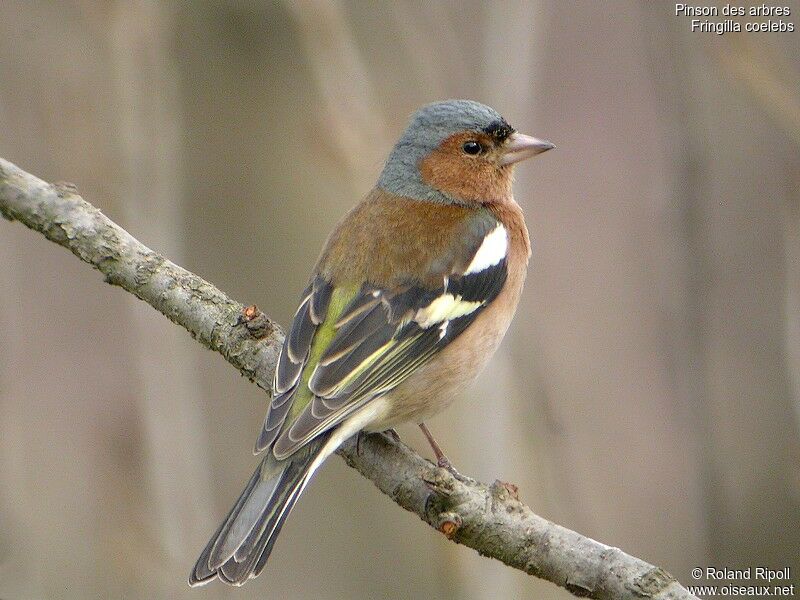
(466, 178)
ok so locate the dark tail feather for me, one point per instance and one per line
(241, 546)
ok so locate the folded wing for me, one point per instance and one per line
(379, 338)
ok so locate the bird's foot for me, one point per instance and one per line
(392, 433)
(441, 459)
(388, 433)
(444, 463)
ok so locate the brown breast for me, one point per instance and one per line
(368, 244)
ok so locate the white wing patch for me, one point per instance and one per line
(444, 308)
(493, 249)
(448, 306)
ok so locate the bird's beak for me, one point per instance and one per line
(519, 146)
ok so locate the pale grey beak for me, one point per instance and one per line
(519, 146)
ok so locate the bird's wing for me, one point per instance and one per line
(349, 346)
(315, 312)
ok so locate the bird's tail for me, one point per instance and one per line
(241, 546)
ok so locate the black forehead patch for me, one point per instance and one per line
(499, 130)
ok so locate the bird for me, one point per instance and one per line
(410, 297)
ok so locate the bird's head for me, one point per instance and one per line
(457, 151)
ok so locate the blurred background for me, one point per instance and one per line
(648, 394)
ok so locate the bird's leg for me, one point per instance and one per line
(358, 441)
(441, 460)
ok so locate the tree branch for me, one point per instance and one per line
(489, 519)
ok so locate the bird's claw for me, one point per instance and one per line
(392, 433)
(444, 463)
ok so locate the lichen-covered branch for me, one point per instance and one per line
(489, 519)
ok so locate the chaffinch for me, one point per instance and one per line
(410, 297)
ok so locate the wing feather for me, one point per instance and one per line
(377, 350)
(352, 333)
(302, 333)
(288, 372)
(320, 300)
(294, 354)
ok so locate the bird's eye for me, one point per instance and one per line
(472, 147)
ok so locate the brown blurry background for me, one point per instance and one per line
(648, 394)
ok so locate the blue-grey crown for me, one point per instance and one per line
(428, 128)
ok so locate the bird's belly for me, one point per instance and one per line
(435, 385)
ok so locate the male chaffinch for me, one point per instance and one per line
(409, 299)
